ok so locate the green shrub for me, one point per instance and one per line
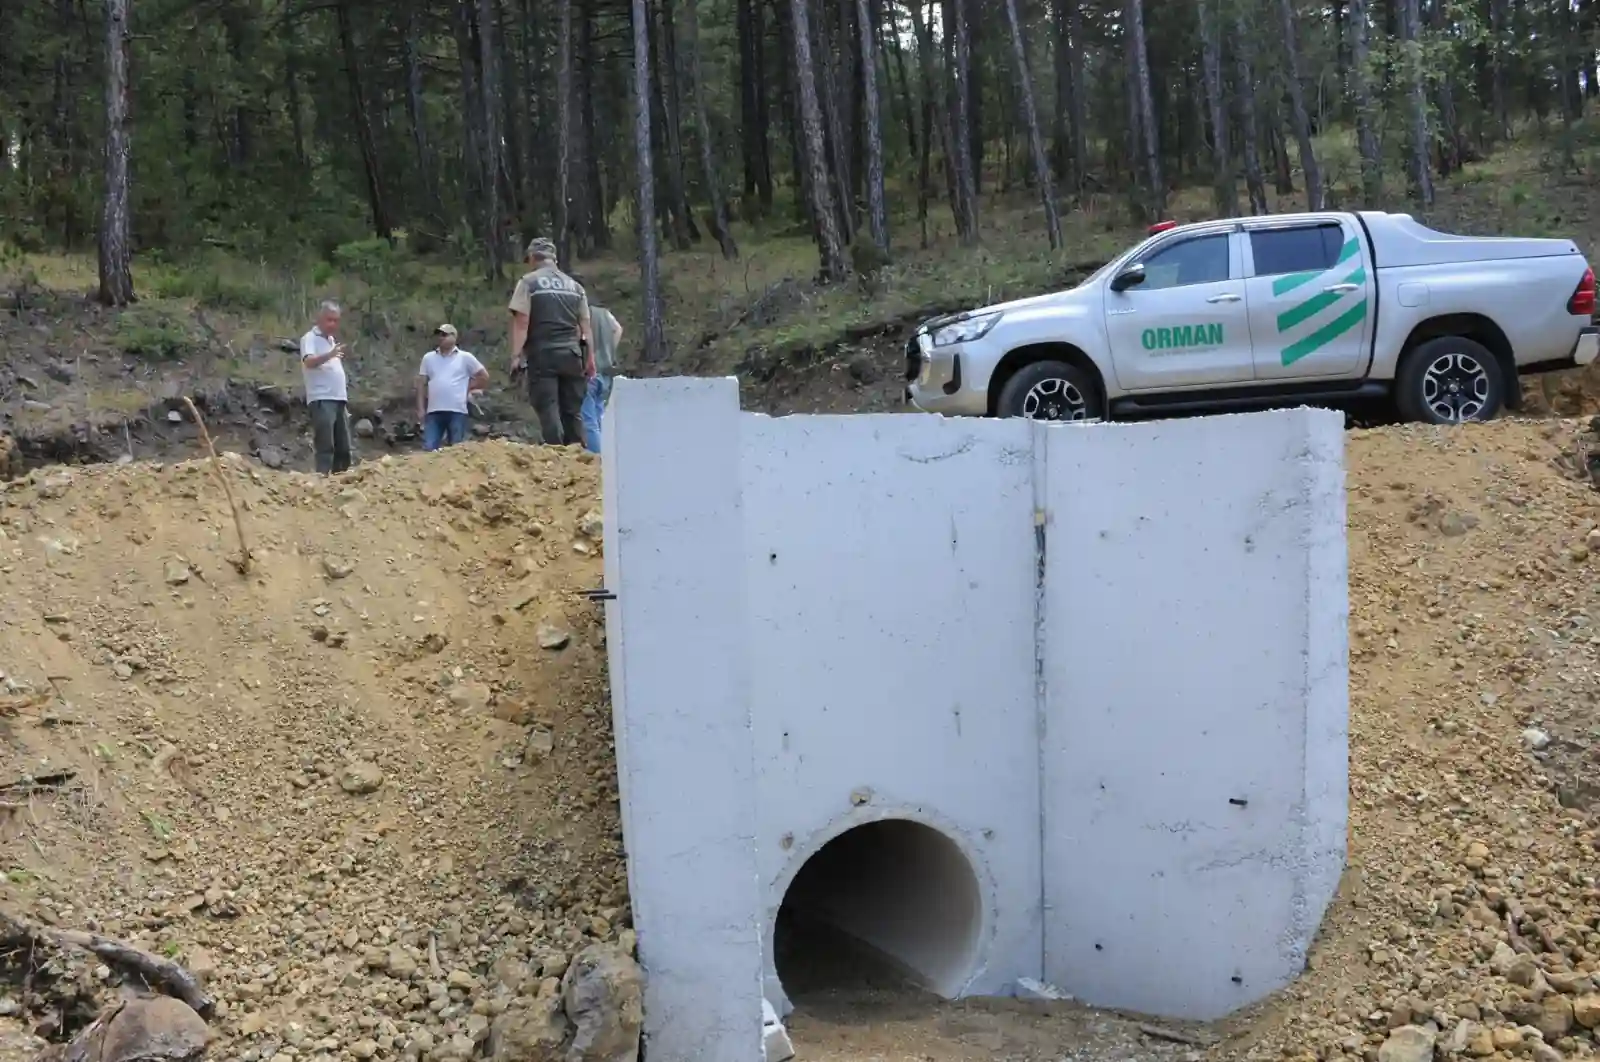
(155, 334)
(370, 260)
(213, 286)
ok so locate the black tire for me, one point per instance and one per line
(1450, 380)
(1037, 389)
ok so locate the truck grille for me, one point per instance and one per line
(913, 358)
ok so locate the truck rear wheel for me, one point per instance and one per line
(1051, 390)
(1450, 380)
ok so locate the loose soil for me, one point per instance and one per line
(368, 787)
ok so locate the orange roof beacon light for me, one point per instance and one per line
(1162, 226)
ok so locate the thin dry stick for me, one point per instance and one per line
(243, 561)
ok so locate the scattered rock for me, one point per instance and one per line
(1555, 1017)
(533, 1031)
(364, 428)
(176, 573)
(540, 744)
(603, 995)
(174, 417)
(399, 964)
(361, 776)
(1454, 524)
(1535, 738)
(337, 567)
(863, 371)
(1409, 1043)
(271, 456)
(592, 525)
(156, 1029)
(552, 637)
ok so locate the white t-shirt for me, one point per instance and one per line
(448, 376)
(326, 381)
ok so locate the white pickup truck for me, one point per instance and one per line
(1291, 308)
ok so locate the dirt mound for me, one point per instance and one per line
(368, 789)
(1573, 393)
(1469, 913)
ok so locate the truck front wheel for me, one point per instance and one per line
(1051, 390)
(1450, 380)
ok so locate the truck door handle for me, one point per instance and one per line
(1224, 298)
(1341, 289)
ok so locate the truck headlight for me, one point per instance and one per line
(965, 331)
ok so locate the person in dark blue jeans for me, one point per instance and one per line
(444, 380)
(444, 428)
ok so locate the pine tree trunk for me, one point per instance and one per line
(428, 177)
(966, 188)
(564, 103)
(494, 233)
(655, 336)
(1150, 142)
(1500, 88)
(1249, 118)
(1077, 106)
(1298, 115)
(708, 164)
(1030, 115)
(381, 223)
(116, 253)
(935, 119)
(877, 209)
(1361, 89)
(1225, 188)
(1421, 171)
(753, 101)
(684, 231)
(889, 45)
(1283, 171)
(834, 128)
(831, 248)
(533, 162)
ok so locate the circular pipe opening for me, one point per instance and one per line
(881, 905)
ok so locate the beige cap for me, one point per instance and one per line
(445, 330)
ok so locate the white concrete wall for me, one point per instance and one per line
(889, 568)
(681, 698)
(862, 598)
(1195, 668)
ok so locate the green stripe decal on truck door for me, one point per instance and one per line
(1316, 304)
(1285, 284)
(1326, 334)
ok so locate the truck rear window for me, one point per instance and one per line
(1309, 248)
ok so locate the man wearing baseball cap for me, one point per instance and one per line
(550, 338)
(446, 377)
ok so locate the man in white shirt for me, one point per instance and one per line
(322, 365)
(445, 379)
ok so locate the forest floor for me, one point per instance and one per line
(369, 788)
(78, 382)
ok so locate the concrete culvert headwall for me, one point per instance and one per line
(892, 897)
(1107, 663)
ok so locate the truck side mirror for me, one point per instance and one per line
(1130, 277)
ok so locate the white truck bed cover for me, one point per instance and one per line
(1399, 240)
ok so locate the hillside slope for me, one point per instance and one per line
(221, 731)
(355, 762)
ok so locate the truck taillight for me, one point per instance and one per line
(1162, 226)
(1582, 302)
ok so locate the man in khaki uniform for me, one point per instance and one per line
(550, 338)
